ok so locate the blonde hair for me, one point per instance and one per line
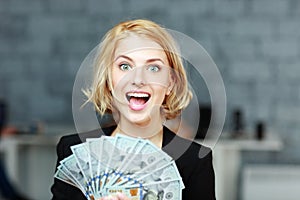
(100, 92)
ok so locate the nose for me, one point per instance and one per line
(138, 76)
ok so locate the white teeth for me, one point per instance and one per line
(138, 94)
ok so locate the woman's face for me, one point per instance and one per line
(141, 79)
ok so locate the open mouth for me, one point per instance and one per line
(137, 98)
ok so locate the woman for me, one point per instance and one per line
(140, 79)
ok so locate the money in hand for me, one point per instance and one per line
(133, 166)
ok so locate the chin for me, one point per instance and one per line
(139, 120)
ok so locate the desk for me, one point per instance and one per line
(227, 159)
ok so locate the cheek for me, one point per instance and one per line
(160, 94)
(115, 77)
(161, 78)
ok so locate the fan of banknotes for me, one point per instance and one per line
(107, 165)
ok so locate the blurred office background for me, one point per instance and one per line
(254, 43)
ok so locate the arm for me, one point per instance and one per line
(59, 189)
(201, 183)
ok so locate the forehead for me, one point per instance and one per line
(136, 43)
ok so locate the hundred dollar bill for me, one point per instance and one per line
(145, 161)
(61, 175)
(82, 154)
(164, 173)
(64, 175)
(95, 147)
(125, 169)
(133, 166)
(106, 158)
(148, 155)
(70, 165)
(131, 193)
(163, 190)
(124, 147)
(133, 177)
(137, 148)
(96, 168)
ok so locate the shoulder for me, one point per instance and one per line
(69, 140)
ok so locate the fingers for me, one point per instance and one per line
(119, 196)
(109, 198)
(122, 196)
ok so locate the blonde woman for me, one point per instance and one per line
(140, 79)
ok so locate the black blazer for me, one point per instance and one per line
(197, 172)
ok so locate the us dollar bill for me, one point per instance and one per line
(70, 165)
(163, 173)
(163, 190)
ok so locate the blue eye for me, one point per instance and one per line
(153, 68)
(125, 67)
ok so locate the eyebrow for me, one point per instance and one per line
(123, 56)
(147, 61)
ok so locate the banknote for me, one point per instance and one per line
(124, 148)
(61, 175)
(97, 169)
(133, 166)
(71, 167)
(106, 159)
(82, 154)
(163, 173)
(146, 156)
(163, 190)
(143, 161)
(133, 177)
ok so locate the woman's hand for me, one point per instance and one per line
(118, 196)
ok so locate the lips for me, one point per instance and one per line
(137, 100)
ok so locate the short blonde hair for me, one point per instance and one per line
(100, 92)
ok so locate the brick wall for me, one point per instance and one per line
(255, 43)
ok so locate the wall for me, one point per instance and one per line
(255, 44)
